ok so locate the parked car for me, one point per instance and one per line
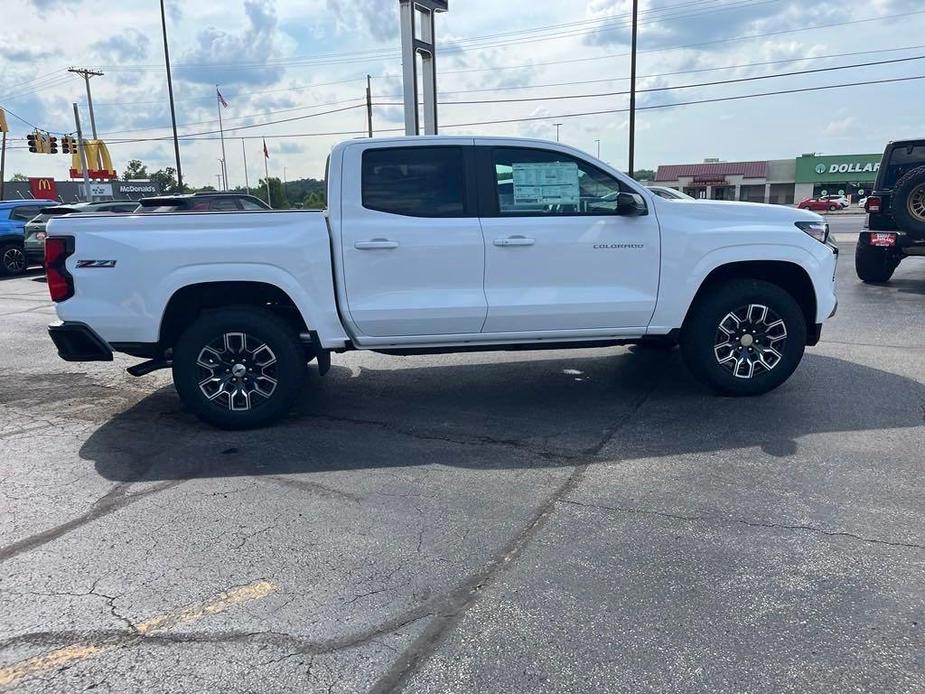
(670, 193)
(820, 205)
(839, 200)
(34, 241)
(203, 202)
(896, 213)
(862, 203)
(13, 217)
(423, 251)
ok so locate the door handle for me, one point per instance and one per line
(375, 244)
(515, 241)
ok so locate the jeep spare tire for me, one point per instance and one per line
(909, 202)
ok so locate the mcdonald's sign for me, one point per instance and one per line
(43, 188)
(99, 163)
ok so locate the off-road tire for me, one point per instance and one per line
(874, 265)
(276, 356)
(701, 334)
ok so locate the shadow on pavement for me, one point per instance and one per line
(36, 274)
(534, 413)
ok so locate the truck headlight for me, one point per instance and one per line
(818, 230)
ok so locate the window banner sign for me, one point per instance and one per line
(548, 183)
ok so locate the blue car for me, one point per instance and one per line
(13, 217)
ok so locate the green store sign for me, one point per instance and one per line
(847, 168)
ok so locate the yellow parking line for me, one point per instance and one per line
(77, 652)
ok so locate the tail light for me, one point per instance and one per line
(873, 204)
(60, 283)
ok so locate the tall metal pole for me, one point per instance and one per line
(369, 105)
(83, 154)
(247, 185)
(632, 137)
(221, 130)
(87, 74)
(3, 168)
(266, 173)
(173, 113)
(558, 125)
(598, 148)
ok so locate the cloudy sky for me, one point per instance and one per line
(304, 62)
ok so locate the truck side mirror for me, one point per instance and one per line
(630, 205)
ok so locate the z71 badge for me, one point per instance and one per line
(95, 264)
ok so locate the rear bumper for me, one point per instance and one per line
(78, 342)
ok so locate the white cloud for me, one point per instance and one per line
(840, 127)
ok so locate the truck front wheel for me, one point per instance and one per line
(874, 264)
(744, 337)
(239, 368)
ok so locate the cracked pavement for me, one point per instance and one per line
(503, 522)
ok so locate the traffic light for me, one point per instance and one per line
(52, 142)
(68, 145)
(35, 142)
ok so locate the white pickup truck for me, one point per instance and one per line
(441, 244)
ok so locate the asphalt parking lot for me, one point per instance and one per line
(576, 521)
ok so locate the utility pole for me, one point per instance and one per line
(247, 185)
(83, 154)
(3, 129)
(558, 125)
(632, 138)
(219, 102)
(369, 104)
(598, 148)
(87, 74)
(173, 113)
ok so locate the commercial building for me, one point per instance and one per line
(848, 174)
(775, 181)
(73, 191)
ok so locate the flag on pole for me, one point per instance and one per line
(221, 99)
(266, 152)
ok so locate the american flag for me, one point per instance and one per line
(221, 99)
(266, 152)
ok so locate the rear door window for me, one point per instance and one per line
(415, 181)
(902, 160)
(224, 205)
(25, 213)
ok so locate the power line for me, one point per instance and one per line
(685, 86)
(685, 46)
(670, 74)
(193, 137)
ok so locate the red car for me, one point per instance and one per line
(819, 205)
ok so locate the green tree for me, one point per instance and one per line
(166, 181)
(644, 175)
(134, 170)
(314, 201)
(278, 199)
(19, 177)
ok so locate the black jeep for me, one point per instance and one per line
(896, 210)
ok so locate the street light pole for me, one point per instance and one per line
(632, 134)
(598, 148)
(173, 113)
(558, 125)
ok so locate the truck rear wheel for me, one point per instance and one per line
(744, 337)
(873, 264)
(239, 368)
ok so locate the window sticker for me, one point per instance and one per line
(552, 183)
